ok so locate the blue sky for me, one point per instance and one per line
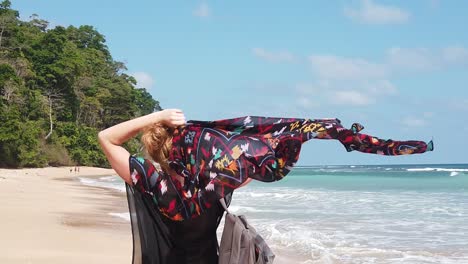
(398, 67)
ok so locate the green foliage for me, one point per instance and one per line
(56, 155)
(144, 102)
(29, 151)
(6, 73)
(20, 144)
(64, 77)
(10, 125)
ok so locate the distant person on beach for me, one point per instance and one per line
(200, 162)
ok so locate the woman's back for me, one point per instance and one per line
(195, 240)
(159, 239)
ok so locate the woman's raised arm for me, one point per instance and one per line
(112, 138)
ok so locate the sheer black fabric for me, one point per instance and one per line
(160, 240)
(151, 238)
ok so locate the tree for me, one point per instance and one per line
(8, 19)
(58, 88)
(54, 102)
(144, 102)
(35, 21)
(86, 37)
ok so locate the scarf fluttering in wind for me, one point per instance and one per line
(213, 158)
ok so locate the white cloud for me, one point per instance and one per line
(455, 55)
(381, 87)
(459, 104)
(359, 82)
(412, 59)
(373, 13)
(309, 95)
(202, 10)
(411, 121)
(306, 103)
(144, 80)
(343, 92)
(334, 67)
(397, 60)
(281, 56)
(310, 89)
(423, 59)
(421, 120)
(351, 97)
(348, 81)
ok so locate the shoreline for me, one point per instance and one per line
(48, 216)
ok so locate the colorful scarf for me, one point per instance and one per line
(212, 158)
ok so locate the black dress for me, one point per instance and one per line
(160, 240)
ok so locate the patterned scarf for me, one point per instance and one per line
(212, 158)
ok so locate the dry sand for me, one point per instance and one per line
(47, 217)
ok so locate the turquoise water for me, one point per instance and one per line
(364, 214)
(373, 178)
(359, 214)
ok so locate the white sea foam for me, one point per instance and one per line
(243, 209)
(454, 173)
(315, 243)
(449, 211)
(437, 169)
(111, 182)
(371, 226)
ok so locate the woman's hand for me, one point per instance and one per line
(112, 138)
(172, 117)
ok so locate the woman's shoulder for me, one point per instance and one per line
(144, 172)
(145, 162)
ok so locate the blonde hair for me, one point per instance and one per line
(157, 139)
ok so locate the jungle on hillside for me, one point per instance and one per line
(59, 86)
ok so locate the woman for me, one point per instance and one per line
(201, 162)
(192, 241)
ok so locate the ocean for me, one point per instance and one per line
(357, 214)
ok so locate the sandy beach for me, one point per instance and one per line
(49, 217)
